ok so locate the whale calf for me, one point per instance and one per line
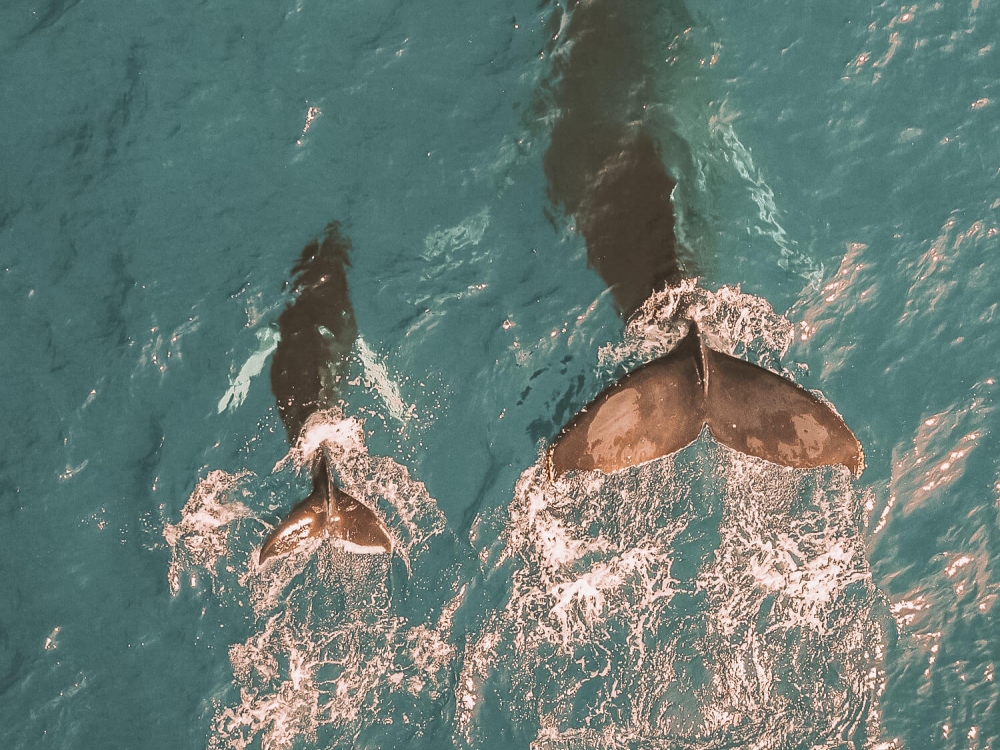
(317, 332)
(605, 167)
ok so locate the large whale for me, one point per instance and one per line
(317, 332)
(605, 167)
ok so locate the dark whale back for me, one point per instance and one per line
(317, 332)
(603, 164)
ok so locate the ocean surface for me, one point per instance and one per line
(163, 164)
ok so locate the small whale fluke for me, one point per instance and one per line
(663, 406)
(329, 512)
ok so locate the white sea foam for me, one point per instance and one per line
(200, 539)
(727, 318)
(629, 625)
(329, 649)
(377, 378)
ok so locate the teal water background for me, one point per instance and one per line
(161, 167)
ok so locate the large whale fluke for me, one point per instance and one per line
(317, 332)
(663, 406)
(329, 512)
(760, 413)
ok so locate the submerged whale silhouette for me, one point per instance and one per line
(317, 332)
(605, 167)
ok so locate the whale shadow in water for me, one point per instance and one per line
(605, 167)
(317, 331)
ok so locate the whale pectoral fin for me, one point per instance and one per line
(306, 520)
(760, 413)
(357, 527)
(653, 411)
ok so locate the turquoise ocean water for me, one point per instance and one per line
(161, 167)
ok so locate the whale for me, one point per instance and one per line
(317, 331)
(605, 168)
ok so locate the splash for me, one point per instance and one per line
(332, 653)
(200, 539)
(332, 661)
(728, 319)
(687, 603)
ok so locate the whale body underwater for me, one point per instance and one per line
(605, 168)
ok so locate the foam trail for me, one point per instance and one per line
(332, 653)
(201, 537)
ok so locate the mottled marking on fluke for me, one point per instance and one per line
(664, 405)
(317, 332)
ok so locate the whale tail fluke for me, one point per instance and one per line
(663, 406)
(328, 512)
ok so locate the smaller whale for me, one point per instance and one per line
(317, 332)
